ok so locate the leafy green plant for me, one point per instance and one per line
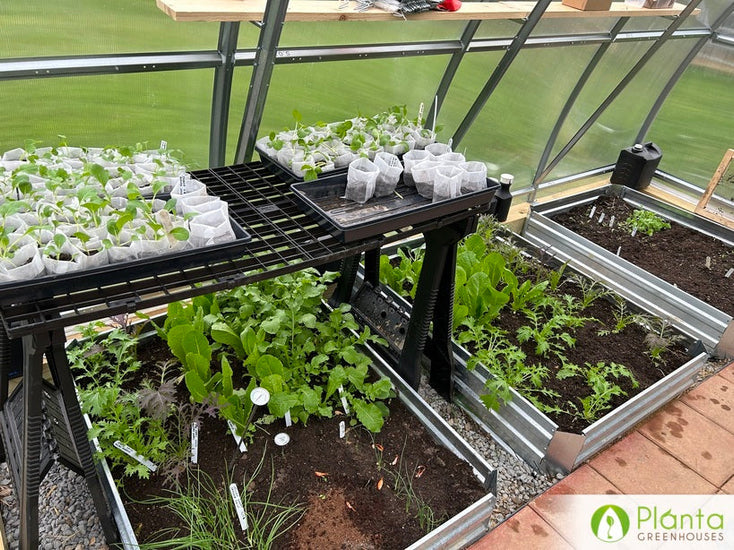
(407, 270)
(600, 378)
(645, 222)
(660, 339)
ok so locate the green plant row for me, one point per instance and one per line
(495, 280)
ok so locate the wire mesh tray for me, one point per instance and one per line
(349, 221)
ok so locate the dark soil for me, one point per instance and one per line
(349, 507)
(676, 255)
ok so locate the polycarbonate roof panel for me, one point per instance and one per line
(112, 110)
(34, 28)
(337, 33)
(512, 129)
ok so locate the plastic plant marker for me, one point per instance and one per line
(164, 144)
(239, 508)
(132, 454)
(182, 184)
(344, 400)
(708, 262)
(593, 211)
(194, 442)
(342, 429)
(611, 221)
(237, 439)
(260, 396)
(634, 231)
(282, 439)
(288, 421)
(619, 249)
(601, 217)
(729, 273)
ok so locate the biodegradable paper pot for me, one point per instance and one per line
(30, 270)
(361, 180)
(475, 176)
(390, 170)
(447, 183)
(437, 149)
(410, 159)
(423, 138)
(423, 176)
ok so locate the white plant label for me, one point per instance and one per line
(593, 210)
(235, 493)
(132, 454)
(260, 396)
(611, 221)
(342, 429)
(182, 185)
(237, 439)
(282, 439)
(619, 249)
(288, 421)
(601, 217)
(729, 273)
(634, 231)
(194, 442)
(344, 400)
(708, 262)
(164, 144)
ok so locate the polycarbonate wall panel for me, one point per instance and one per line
(513, 128)
(337, 90)
(34, 28)
(111, 110)
(355, 32)
(695, 127)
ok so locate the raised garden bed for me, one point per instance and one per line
(547, 438)
(667, 273)
(389, 488)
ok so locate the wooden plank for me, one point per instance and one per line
(328, 10)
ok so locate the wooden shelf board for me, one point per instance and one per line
(327, 10)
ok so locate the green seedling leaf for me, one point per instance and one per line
(281, 402)
(369, 415)
(268, 365)
(337, 377)
(223, 333)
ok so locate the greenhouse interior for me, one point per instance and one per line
(483, 249)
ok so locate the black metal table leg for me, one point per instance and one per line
(434, 279)
(59, 366)
(347, 277)
(34, 347)
(372, 266)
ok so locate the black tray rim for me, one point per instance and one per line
(380, 225)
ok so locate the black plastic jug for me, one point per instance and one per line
(636, 165)
(503, 197)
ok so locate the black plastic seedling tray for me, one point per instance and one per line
(349, 221)
(286, 173)
(49, 285)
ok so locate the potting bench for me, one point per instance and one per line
(284, 240)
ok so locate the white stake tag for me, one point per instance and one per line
(132, 454)
(182, 184)
(342, 429)
(288, 422)
(344, 400)
(634, 231)
(729, 273)
(194, 442)
(708, 262)
(235, 492)
(611, 221)
(619, 249)
(601, 217)
(164, 144)
(237, 439)
(593, 210)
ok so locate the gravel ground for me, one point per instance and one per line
(68, 520)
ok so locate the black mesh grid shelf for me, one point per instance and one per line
(283, 240)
